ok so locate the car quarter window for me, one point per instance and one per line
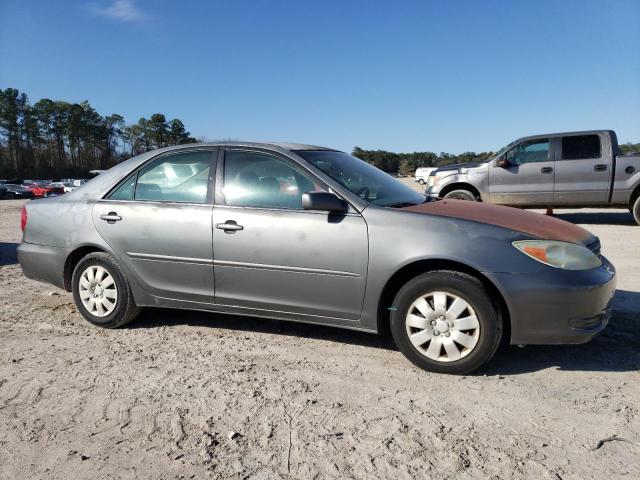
(125, 190)
(529, 151)
(182, 177)
(580, 146)
(255, 179)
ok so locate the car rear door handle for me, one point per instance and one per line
(601, 167)
(111, 217)
(230, 226)
(546, 170)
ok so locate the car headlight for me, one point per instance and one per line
(431, 181)
(564, 255)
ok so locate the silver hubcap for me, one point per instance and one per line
(442, 326)
(98, 291)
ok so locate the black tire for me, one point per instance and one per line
(461, 285)
(421, 181)
(125, 309)
(461, 195)
(635, 210)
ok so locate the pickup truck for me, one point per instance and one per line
(558, 170)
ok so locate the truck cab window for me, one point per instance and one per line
(528, 152)
(580, 146)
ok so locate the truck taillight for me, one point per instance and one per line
(23, 218)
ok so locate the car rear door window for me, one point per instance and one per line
(255, 179)
(182, 178)
(528, 152)
(581, 146)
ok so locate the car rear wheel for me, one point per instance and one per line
(421, 181)
(445, 321)
(461, 195)
(635, 210)
(101, 291)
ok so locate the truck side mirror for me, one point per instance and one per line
(502, 162)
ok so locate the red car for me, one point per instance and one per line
(45, 190)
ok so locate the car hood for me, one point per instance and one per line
(534, 224)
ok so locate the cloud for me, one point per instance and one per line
(122, 11)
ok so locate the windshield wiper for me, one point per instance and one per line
(402, 204)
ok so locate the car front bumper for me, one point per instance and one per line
(556, 306)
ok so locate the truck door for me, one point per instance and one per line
(583, 171)
(526, 178)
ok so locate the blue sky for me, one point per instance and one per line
(404, 76)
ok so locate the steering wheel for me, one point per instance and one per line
(362, 191)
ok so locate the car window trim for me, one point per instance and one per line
(219, 199)
(213, 152)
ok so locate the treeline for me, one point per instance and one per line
(406, 163)
(630, 148)
(53, 138)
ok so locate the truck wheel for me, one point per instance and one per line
(445, 321)
(635, 210)
(101, 292)
(461, 195)
(421, 181)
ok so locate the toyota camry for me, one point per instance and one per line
(310, 234)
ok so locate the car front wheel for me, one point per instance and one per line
(101, 292)
(445, 322)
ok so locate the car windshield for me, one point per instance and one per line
(363, 179)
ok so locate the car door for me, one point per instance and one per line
(583, 173)
(270, 254)
(528, 176)
(158, 222)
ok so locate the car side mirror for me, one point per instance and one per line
(502, 162)
(324, 201)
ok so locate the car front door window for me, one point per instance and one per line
(254, 179)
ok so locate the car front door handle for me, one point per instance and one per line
(111, 217)
(230, 226)
(546, 170)
(601, 167)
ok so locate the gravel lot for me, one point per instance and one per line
(193, 395)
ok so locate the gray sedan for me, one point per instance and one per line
(310, 234)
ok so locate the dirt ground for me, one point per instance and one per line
(195, 395)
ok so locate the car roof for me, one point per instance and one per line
(269, 145)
